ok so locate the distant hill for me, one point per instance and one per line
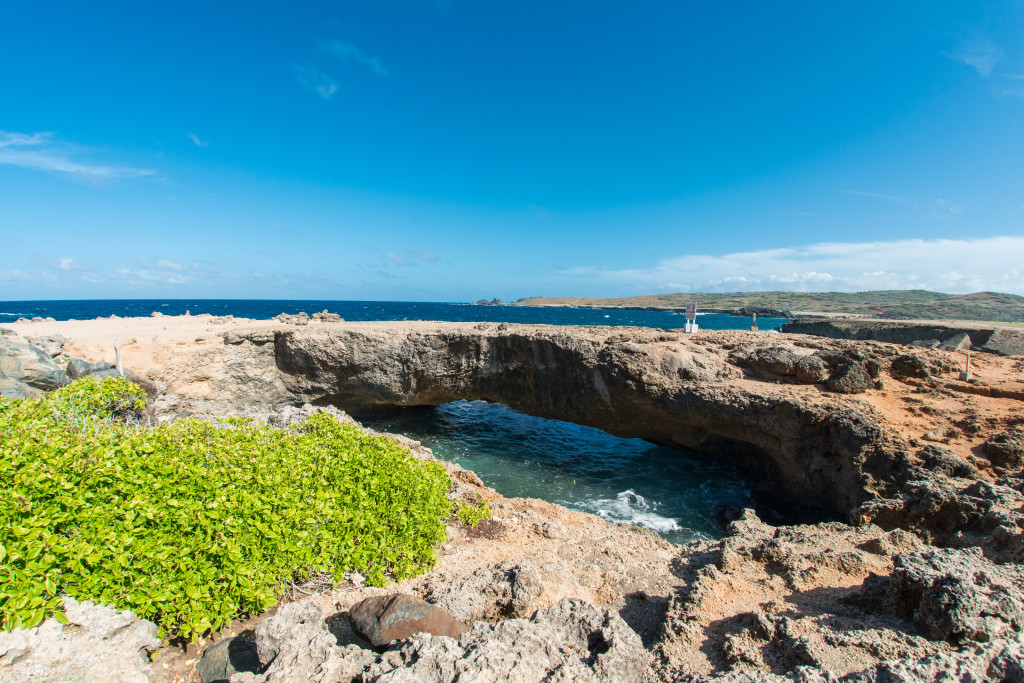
(915, 304)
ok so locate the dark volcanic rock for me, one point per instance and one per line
(909, 365)
(384, 619)
(956, 595)
(851, 378)
(1005, 449)
(942, 460)
(227, 657)
(78, 368)
(811, 370)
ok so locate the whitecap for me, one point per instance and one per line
(632, 508)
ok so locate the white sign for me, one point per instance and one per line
(691, 311)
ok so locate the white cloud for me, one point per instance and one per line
(199, 143)
(980, 54)
(348, 52)
(886, 197)
(955, 266)
(316, 80)
(39, 152)
(424, 255)
(399, 260)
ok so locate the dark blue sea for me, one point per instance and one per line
(679, 494)
(369, 310)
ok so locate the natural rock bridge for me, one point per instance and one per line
(666, 387)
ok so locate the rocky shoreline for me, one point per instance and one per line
(924, 579)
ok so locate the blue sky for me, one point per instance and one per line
(451, 150)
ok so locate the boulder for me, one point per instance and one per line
(383, 619)
(78, 368)
(958, 342)
(325, 317)
(1005, 342)
(98, 645)
(956, 595)
(811, 370)
(909, 365)
(943, 461)
(226, 658)
(29, 365)
(12, 388)
(850, 378)
(1005, 449)
(51, 344)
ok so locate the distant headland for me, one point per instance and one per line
(915, 304)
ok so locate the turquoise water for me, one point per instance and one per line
(676, 493)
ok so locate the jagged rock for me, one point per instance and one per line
(99, 645)
(850, 378)
(811, 370)
(1005, 342)
(301, 318)
(12, 388)
(383, 619)
(52, 344)
(78, 368)
(778, 360)
(508, 589)
(909, 365)
(7, 332)
(956, 343)
(942, 460)
(998, 661)
(572, 641)
(29, 365)
(956, 595)
(226, 658)
(325, 317)
(296, 646)
(1005, 449)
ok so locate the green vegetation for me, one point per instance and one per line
(194, 523)
(473, 514)
(894, 304)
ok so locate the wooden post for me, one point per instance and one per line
(117, 354)
(966, 375)
(753, 328)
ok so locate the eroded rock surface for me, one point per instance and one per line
(571, 641)
(97, 645)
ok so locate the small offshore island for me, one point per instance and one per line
(922, 578)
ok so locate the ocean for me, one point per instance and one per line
(680, 495)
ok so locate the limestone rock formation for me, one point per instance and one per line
(100, 645)
(570, 641)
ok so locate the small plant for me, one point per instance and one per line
(472, 514)
(192, 524)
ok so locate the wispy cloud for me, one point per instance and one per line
(399, 260)
(41, 152)
(978, 53)
(199, 143)
(956, 266)
(886, 197)
(347, 52)
(315, 80)
(424, 255)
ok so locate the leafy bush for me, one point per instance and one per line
(194, 523)
(471, 515)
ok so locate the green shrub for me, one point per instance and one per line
(473, 514)
(194, 523)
